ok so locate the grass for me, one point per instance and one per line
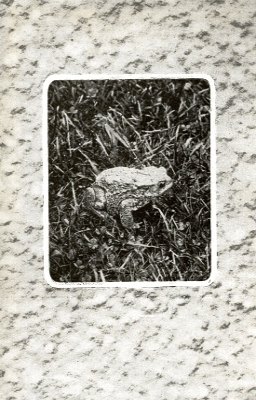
(95, 125)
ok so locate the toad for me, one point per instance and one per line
(122, 190)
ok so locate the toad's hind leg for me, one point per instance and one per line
(125, 211)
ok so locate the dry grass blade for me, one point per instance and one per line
(101, 145)
(74, 196)
(164, 218)
(92, 164)
(117, 135)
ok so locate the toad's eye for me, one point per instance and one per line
(161, 184)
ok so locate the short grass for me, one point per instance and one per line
(95, 125)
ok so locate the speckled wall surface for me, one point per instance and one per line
(172, 343)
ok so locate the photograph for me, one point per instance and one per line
(129, 180)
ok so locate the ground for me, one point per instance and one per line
(95, 125)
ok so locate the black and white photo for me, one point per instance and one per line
(130, 181)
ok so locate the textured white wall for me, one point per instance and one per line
(172, 343)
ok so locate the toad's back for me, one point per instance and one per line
(123, 176)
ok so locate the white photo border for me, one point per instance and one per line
(135, 285)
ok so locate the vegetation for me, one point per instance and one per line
(95, 125)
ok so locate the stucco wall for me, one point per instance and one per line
(163, 343)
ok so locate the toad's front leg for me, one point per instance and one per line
(126, 208)
(95, 201)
